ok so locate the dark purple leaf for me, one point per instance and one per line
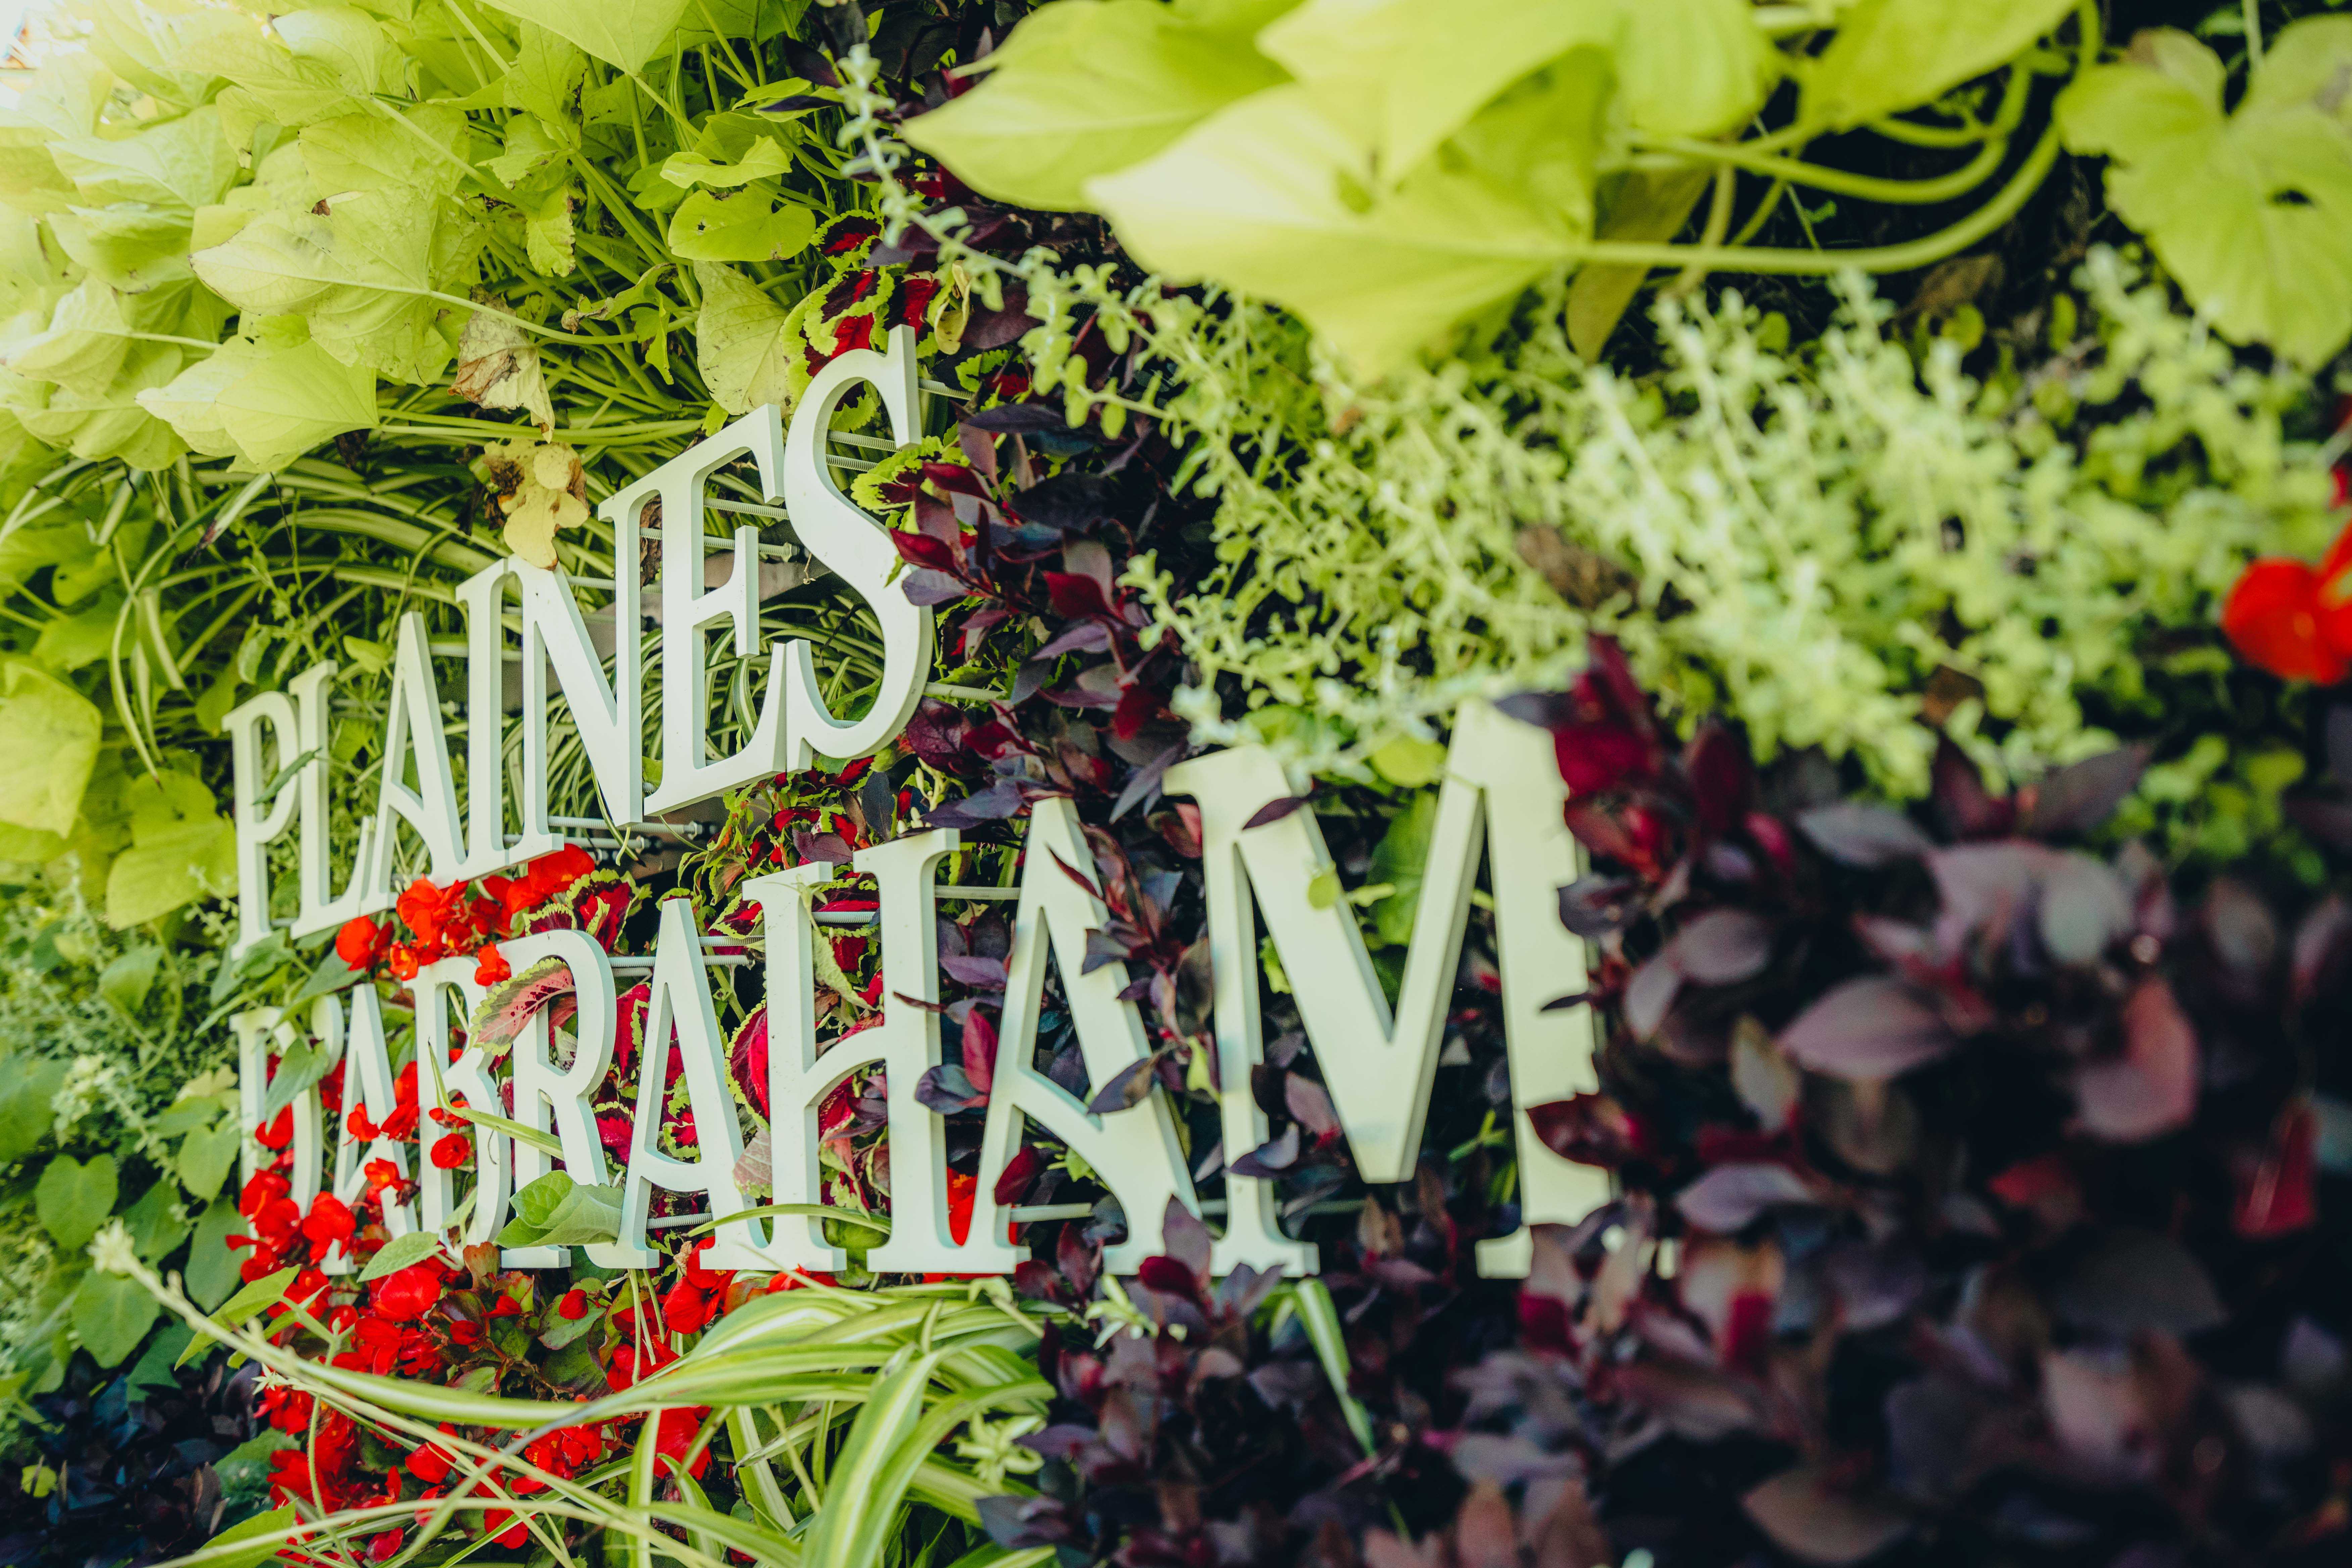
(1143, 784)
(1309, 1103)
(1810, 1520)
(1269, 1160)
(1103, 948)
(979, 1052)
(1722, 946)
(986, 974)
(2340, 742)
(1873, 1028)
(1067, 503)
(1544, 710)
(1595, 907)
(1019, 418)
(1274, 811)
(1186, 1238)
(1854, 834)
(2079, 797)
(998, 801)
(1969, 811)
(947, 1090)
(1730, 1197)
(1083, 637)
(1650, 992)
(994, 329)
(2321, 943)
(2151, 1087)
(927, 587)
(2130, 1280)
(1128, 1087)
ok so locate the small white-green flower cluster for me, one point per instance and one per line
(1809, 537)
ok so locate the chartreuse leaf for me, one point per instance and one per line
(73, 1198)
(1891, 55)
(763, 159)
(2252, 213)
(739, 226)
(267, 1532)
(546, 80)
(1693, 68)
(111, 1313)
(401, 1252)
(861, 1501)
(28, 1084)
(1086, 88)
(744, 343)
(624, 33)
(48, 743)
(265, 406)
(180, 850)
(1272, 197)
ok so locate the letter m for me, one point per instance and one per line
(1501, 790)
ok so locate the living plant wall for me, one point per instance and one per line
(1894, 448)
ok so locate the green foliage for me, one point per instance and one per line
(2249, 210)
(1831, 543)
(1390, 169)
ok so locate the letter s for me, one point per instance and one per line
(834, 529)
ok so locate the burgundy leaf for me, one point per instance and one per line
(922, 549)
(1270, 1160)
(1170, 1278)
(1730, 1197)
(1590, 1129)
(978, 1051)
(1722, 946)
(1072, 594)
(1858, 835)
(947, 1089)
(2151, 1088)
(1650, 992)
(1968, 810)
(1810, 1520)
(1186, 1238)
(1873, 1028)
(1274, 811)
(1020, 1171)
(2077, 798)
(986, 974)
(1310, 1103)
(1128, 1087)
(925, 587)
(1018, 419)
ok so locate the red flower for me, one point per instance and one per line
(362, 943)
(465, 1331)
(407, 1294)
(381, 1174)
(510, 1535)
(962, 1192)
(405, 962)
(329, 1221)
(573, 1307)
(685, 1309)
(491, 966)
(451, 1150)
(678, 1430)
(431, 1463)
(279, 1131)
(2275, 619)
